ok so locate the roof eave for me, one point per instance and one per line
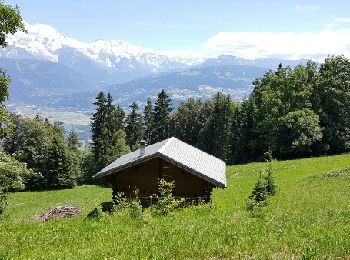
(101, 174)
(194, 172)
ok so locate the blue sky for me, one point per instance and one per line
(188, 25)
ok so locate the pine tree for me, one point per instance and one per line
(73, 141)
(105, 126)
(74, 154)
(58, 173)
(98, 121)
(117, 146)
(188, 120)
(161, 116)
(133, 128)
(214, 137)
(117, 121)
(148, 121)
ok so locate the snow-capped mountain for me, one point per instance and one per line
(49, 69)
(118, 60)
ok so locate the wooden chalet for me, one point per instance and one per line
(194, 172)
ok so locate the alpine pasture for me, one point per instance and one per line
(308, 218)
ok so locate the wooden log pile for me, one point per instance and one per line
(66, 211)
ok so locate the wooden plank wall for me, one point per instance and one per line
(145, 176)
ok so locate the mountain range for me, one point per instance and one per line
(50, 69)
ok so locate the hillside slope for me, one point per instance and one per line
(309, 217)
(203, 83)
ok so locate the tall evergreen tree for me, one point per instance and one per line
(73, 141)
(116, 146)
(244, 140)
(118, 117)
(107, 122)
(59, 174)
(214, 136)
(148, 121)
(98, 121)
(161, 117)
(189, 119)
(133, 128)
(75, 154)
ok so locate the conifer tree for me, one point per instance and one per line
(117, 146)
(105, 126)
(97, 124)
(148, 121)
(161, 117)
(189, 119)
(133, 128)
(75, 154)
(73, 141)
(214, 137)
(58, 173)
(117, 121)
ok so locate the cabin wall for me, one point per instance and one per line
(145, 177)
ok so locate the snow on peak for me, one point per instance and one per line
(43, 42)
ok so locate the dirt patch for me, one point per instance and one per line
(66, 211)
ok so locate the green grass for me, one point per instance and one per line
(308, 218)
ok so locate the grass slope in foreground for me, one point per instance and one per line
(309, 217)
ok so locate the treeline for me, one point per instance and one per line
(291, 113)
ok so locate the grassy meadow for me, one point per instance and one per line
(308, 218)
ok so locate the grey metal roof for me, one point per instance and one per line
(179, 153)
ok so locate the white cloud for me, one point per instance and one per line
(289, 45)
(301, 8)
(340, 22)
(343, 20)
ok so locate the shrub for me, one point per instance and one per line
(120, 201)
(122, 205)
(135, 209)
(166, 202)
(108, 207)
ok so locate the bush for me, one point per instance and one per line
(121, 201)
(166, 202)
(120, 205)
(135, 209)
(108, 207)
